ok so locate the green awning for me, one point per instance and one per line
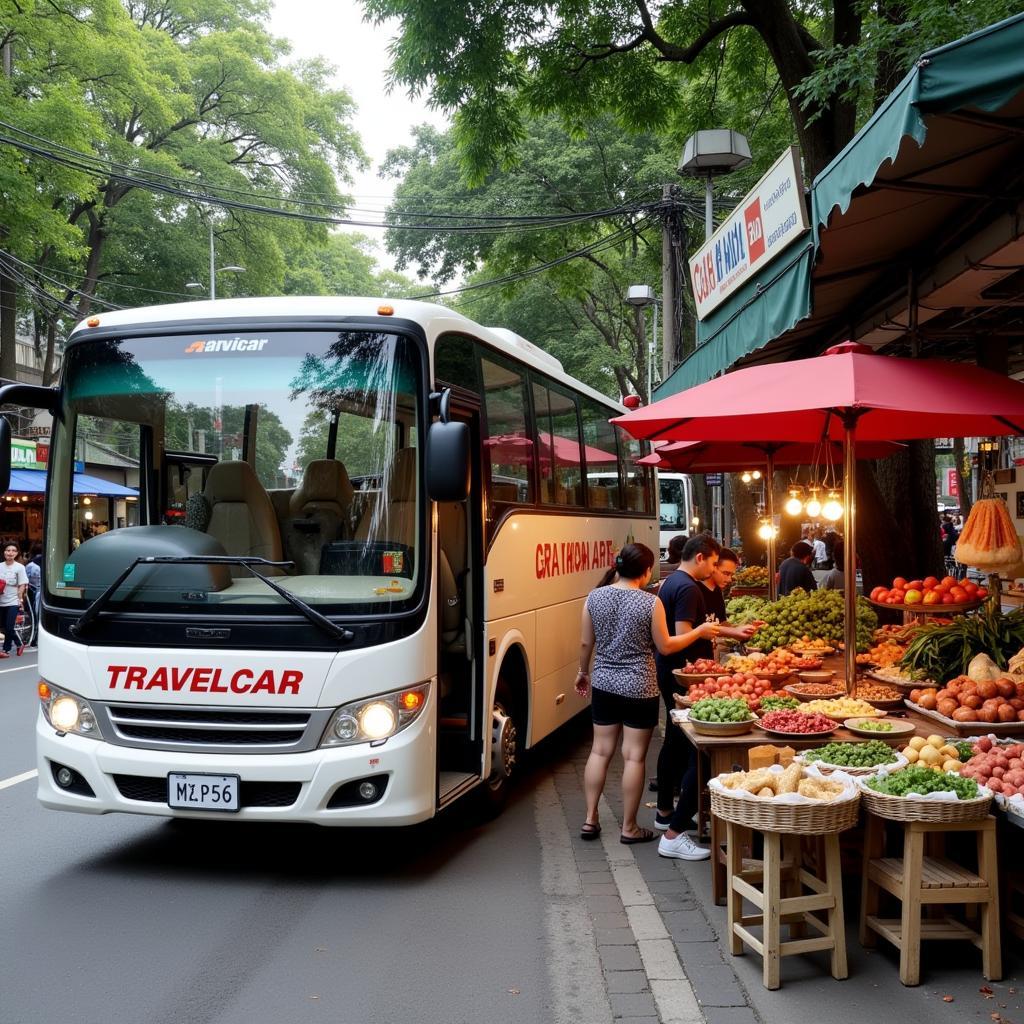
(922, 163)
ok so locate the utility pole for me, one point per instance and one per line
(8, 286)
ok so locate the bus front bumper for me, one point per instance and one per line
(280, 787)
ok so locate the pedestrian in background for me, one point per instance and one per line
(15, 581)
(795, 571)
(34, 572)
(622, 624)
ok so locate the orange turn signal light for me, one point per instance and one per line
(411, 700)
(93, 321)
(385, 310)
(44, 691)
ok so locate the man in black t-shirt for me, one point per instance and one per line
(795, 571)
(714, 598)
(683, 596)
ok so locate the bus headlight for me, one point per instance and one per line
(375, 719)
(67, 712)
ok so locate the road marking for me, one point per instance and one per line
(15, 779)
(574, 972)
(671, 988)
(19, 668)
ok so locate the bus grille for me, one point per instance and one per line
(212, 729)
(250, 794)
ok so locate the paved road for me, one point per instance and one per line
(118, 918)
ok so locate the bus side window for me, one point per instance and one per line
(508, 446)
(455, 362)
(601, 453)
(637, 478)
(558, 446)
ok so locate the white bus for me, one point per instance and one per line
(675, 507)
(349, 588)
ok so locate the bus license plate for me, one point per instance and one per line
(199, 792)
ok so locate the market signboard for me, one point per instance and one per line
(770, 217)
(25, 456)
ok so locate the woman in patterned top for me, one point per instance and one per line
(624, 622)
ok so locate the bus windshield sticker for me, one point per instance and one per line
(69, 571)
(393, 563)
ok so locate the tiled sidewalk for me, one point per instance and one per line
(656, 937)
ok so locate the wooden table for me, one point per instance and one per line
(729, 754)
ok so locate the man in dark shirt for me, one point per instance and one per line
(686, 613)
(714, 599)
(795, 571)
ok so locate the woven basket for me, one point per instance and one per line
(774, 816)
(903, 808)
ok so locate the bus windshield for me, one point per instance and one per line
(297, 447)
(673, 502)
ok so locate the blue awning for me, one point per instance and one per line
(33, 481)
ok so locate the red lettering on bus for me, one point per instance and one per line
(115, 673)
(236, 680)
(290, 682)
(136, 676)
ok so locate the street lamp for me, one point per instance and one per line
(638, 296)
(705, 154)
(214, 270)
(710, 152)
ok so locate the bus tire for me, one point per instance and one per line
(506, 750)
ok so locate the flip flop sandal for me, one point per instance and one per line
(588, 831)
(643, 835)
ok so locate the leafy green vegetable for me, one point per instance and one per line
(853, 755)
(922, 781)
(720, 709)
(779, 703)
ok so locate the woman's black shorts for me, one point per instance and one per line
(613, 709)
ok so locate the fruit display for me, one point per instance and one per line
(929, 592)
(743, 611)
(944, 651)
(915, 780)
(900, 676)
(807, 645)
(796, 722)
(766, 783)
(1000, 768)
(842, 708)
(779, 662)
(704, 667)
(877, 725)
(887, 653)
(738, 686)
(751, 576)
(964, 700)
(815, 615)
(720, 709)
(989, 539)
(900, 634)
(853, 755)
(933, 753)
(878, 691)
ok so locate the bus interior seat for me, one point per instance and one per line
(599, 496)
(242, 515)
(395, 520)
(320, 512)
(504, 492)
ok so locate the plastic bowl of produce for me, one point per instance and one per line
(816, 676)
(721, 716)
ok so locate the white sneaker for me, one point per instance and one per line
(682, 848)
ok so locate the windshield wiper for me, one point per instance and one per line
(332, 629)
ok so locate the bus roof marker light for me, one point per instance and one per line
(632, 401)
(93, 321)
(385, 310)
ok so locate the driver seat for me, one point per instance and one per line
(242, 515)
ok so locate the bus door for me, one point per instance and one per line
(460, 616)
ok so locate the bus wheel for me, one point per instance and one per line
(505, 750)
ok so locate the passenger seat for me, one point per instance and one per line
(242, 515)
(393, 519)
(321, 512)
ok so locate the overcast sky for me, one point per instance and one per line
(336, 31)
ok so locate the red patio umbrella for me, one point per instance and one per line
(849, 394)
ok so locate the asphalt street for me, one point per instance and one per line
(123, 918)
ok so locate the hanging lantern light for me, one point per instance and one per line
(756, 474)
(766, 531)
(794, 506)
(813, 505)
(833, 508)
(746, 477)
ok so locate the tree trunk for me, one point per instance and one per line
(51, 351)
(702, 499)
(907, 484)
(745, 511)
(877, 531)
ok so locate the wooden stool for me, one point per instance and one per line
(782, 870)
(920, 881)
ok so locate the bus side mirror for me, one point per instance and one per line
(5, 455)
(447, 461)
